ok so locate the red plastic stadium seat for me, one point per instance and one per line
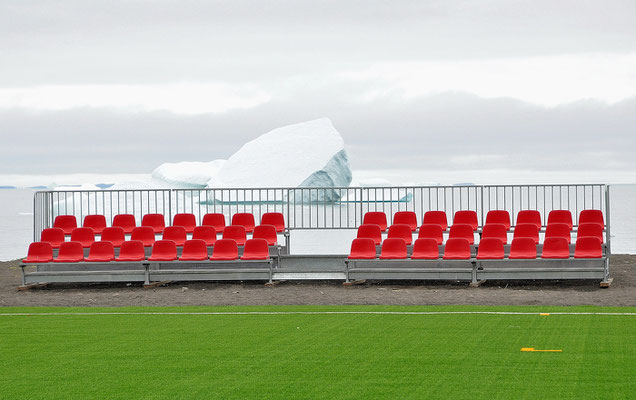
(468, 217)
(132, 250)
(101, 252)
(393, 248)
(175, 233)
(155, 221)
(245, 220)
(163, 250)
(85, 236)
(187, 221)
(425, 249)
(405, 218)
(65, 222)
(194, 250)
(274, 218)
(371, 231)
(588, 247)
(96, 222)
(225, 249)
(256, 249)
(207, 233)
(526, 231)
(555, 247)
(523, 248)
(401, 231)
(375, 217)
(592, 229)
(463, 231)
(457, 249)
(267, 232)
(236, 233)
(490, 248)
(558, 230)
(113, 234)
(561, 217)
(362, 249)
(54, 236)
(436, 217)
(498, 217)
(70, 252)
(492, 230)
(40, 252)
(144, 234)
(125, 221)
(215, 220)
(529, 217)
(592, 216)
(431, 231)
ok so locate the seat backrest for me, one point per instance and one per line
(65, 222)
(101, 252)
(526, 231)
(490, 248)
(405, 218)
(113, 234)
(274, 218)
(494, 230)
(145, 234)
(468, 217)
(425, 248)
(175, 233)
(592, 216)
(555, 247)
(463, 231)
(194, 250)
(588, 247)
(225, 249)
(560, 216)
(255, 249)
(457, 249)
(371, 231)
(362, 248)
(245, 220)
(401, 231)
(236, 233)
(132, 250)
(557, 229)
(155, 221)
(186, 220)
(216, 220)
(431, 231)
(39, 252)
(592, 229)
(498, 217)
(54, 236)
(523, 247)
(96, 222)
(393, 248)
(267, 232)
(70, 252)
(163, 250)
(437, 218)
(375, 217)
(529, 217)
(206, 233)
(125, 221)
(85, 236)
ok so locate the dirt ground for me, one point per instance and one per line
(621, 293)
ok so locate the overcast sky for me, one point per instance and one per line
(122, 86)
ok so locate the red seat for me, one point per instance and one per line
(463, 231)
(274, 218)
(70, 252)
(65, 222)
(155, 221)
(362, 249)
(405, 218)
(101, 252)
(492, 230)
(96, 222)
(225, 249)
(561, 217)
(401, 231)
(125, 221)
(468, 217)
(236, 233)
(526, 231)
(54, 236)
(267, 232)
(175, 233)
(113, 234)
(592, 229)
(207, 233)
(592, 216)
(523, 247)
(498, 217)
(85, 236)
(436, 217)
(457, 249)
(39, 252)
(425, 248)
(491, 248)
(588, 247)
(371, 231)
(555, 247)
(375, 217)
(256, 249)
(163, 250)
(556, 229)
(145, 234)
(215, 220)
(529, 217)
(245, 220)
(187, 221)
(194, 250)
(431, 231)
(393, 248)
(132, 250)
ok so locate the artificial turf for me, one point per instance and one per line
(315, 356)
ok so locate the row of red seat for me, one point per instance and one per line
(133, 250)
(489, 248)
(157, 221)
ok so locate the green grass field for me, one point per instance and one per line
(317, 356)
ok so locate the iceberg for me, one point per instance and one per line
(188, 174)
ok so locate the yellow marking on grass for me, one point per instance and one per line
(545, 351)
(545, 314)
